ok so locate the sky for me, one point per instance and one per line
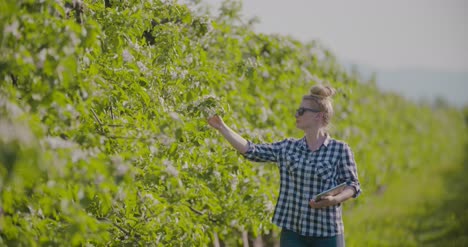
(386, 36)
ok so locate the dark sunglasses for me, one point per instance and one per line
(301, 110)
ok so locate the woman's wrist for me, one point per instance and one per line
(222, 128)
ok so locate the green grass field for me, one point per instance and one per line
(425, 208)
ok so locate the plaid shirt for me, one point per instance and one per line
(304, 174)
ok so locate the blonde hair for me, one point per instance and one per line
(322, 95)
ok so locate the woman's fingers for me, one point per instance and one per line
(325, 202)
(215, 121)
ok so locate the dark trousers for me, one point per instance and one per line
(292, 239)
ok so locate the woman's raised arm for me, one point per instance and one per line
(237, 141)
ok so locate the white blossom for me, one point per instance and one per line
(170, 168)
(77, 155)
(121, 169)
(174, 75)
(168, 2)
(86, 60)
(64, 204)
(174, 116)
(57, 142)
(127, 56)
(134, 46)
(80, 194)
(234, 183)
(11, 108)
(183, 74)
(151, 198)
(121, 195)
(50, 183)
(165, 140)
(189, 59)
(153, 149)
(42, 57)
(84, 32)
(74, 39)
(217, 174)
(12, 29)
(269, 206)
(234, 223)
(142, 67)
(208, 24)
(99, 179)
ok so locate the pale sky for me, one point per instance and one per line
(431, 34)
(385, 35)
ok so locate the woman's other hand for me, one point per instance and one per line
(326, 201)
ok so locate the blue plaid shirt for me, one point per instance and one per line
(305, 174)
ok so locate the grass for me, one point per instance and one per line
(425, 208)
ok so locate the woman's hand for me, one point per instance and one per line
(326, 201)
(216, 122)
(237, 141)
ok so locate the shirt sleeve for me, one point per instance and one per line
(264, 152)
(347, 170)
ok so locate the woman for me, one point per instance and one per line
(307, 167)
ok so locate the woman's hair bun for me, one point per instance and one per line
(322, 91)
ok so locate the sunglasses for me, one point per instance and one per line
(301, 110)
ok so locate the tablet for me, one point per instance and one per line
(331, 192)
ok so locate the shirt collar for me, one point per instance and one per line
(325, 142)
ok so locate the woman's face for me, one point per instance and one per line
(308, 115)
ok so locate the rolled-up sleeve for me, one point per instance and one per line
(347, 170)
(264, 152)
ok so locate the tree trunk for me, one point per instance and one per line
(245, 238)
(215, 240)
(258, 242)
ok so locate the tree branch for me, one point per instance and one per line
(101, 129)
